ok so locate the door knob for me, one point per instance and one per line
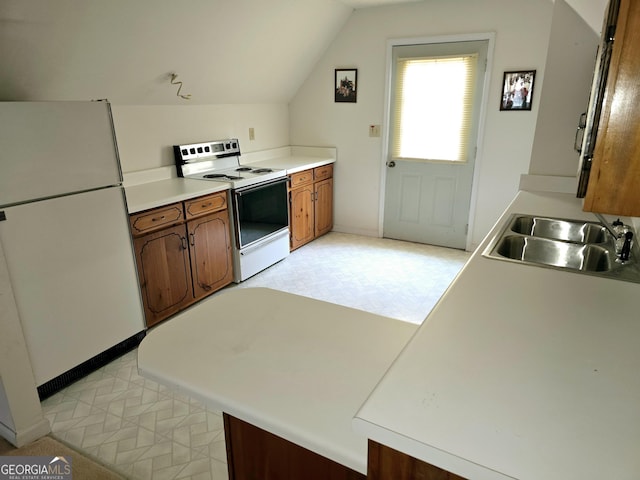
(391, 164)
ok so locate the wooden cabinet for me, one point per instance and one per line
(253, 453)
(183, 253)
(210, 253)
(310, 204)
(614, 182)
(384, 463)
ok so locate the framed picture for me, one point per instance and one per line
(346, 85)
(517, 90)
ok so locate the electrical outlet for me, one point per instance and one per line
(374, 130)
(252, 134)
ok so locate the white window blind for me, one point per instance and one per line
(433, 107)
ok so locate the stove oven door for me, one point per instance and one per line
(260, 212)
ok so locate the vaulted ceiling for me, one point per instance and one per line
(224, 51)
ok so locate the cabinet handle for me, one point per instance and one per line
(192, 239)
(205, 205)
(157, 219)
(183, 242)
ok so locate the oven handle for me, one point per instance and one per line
(259, 186)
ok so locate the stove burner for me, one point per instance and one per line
(244, 169)
(262, 170)
(222, 175)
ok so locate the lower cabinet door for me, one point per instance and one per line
(385, 463)
(302, 216)
(164, 273)
(210, 245)
(324, 206)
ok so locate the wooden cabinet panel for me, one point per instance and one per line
(153, 220)
(310, 205)
(614, 182)
(180, 263)
(302, 218)
(385, 463)
(323, 206)
(163, 272)
(301, 178)
(210, 249)
(253, 453)
(203, 205)
(321, 173)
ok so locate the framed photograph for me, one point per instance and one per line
(517, 90)
(346, 83)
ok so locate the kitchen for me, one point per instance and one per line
(510, 148)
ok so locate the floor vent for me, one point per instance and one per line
(67, 378)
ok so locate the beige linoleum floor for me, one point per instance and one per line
(145, 431)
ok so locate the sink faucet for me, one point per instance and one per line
(623, 238)
(607, 225)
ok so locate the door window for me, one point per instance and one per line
(434, 107)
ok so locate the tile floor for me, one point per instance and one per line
(146, 431)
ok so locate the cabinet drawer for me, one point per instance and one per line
(203, 205)
(320, 173)
(155, 219)
(301, 178)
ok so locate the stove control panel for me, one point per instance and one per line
(206, 150)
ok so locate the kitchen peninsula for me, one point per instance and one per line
(293, 366)
(518, 372)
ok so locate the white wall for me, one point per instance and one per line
(565, 94)
(522, 31)
(146, 133)
(225, 51)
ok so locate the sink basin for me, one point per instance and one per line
(567, 230)
(571, 245)
(576, 256)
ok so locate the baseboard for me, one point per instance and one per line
(356, 231)
(67, 378)
(25, 435)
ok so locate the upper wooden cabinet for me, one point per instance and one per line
(614, 183)
(310, 204)
(180, 263)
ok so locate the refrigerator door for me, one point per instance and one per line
(55, 148)
(72, 270)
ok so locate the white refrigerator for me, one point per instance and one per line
(65, 233)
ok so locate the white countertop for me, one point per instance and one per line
(166, 188)
(163, 192)
(294, 366)
(519, 372)
(295, 163)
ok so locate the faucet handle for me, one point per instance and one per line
(625, 252)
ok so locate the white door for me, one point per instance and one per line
(427, 198)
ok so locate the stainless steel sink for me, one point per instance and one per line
(571, 245)
(576, 256)
(568, 230)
